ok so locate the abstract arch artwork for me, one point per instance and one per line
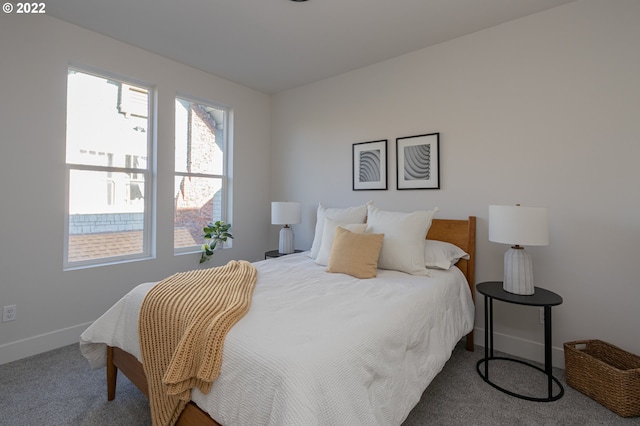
(370, 165)
(418, 162)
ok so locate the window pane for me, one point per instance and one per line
(107, 131)
(199, 138)
(107, 122)
(198, 202)
(106, 214)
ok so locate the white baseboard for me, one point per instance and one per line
(533, 351)
(19, 349)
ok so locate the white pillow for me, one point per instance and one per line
(442, 255)
(404, 236)
(347, 215)
(329, 232)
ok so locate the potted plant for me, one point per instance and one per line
(214, 233)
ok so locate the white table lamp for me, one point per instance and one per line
(286, 213)
(517, 225)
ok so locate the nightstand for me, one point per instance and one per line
(545, 298)
(272, 254)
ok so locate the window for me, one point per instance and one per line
(200, 171)
(108, 165)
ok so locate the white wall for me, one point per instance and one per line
(541, 111)
(53, 306)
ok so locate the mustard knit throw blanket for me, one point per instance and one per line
(182, 325)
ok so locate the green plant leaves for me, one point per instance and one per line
(216, 232)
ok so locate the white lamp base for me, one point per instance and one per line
(518, 272)
(286, 240)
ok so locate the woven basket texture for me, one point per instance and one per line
(605, 373)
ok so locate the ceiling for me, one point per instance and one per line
(274, 45)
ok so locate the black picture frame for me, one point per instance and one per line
(418, 162)
(369, 165)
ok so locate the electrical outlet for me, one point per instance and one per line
(541, 315)
(8, 313)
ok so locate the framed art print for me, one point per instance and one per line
(418, 161)
(369, 165)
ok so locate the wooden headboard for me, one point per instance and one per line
(462, 233)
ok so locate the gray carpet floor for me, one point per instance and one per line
(59, 388)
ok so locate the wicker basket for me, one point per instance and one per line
(606, 373)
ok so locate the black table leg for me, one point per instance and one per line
(491, 326)
(548, 363)
(486, 336)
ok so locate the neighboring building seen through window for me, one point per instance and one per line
(200, 171)
(108, 162)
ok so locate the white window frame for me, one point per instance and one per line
(148, 250)
(225, 211)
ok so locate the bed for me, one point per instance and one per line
(310, 371)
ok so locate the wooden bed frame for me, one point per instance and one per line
(459, 232)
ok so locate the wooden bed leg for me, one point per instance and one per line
(112, 375)
(470, 345)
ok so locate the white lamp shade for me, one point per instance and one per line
(285, 213)
(527, 226)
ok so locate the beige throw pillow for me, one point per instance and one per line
(355, 254)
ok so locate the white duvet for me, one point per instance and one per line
(318, 348)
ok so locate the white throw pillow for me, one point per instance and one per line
(404, 236)
(442, 255)
(329, 232)
(347, 215)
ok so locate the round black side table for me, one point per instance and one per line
(545, 298)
